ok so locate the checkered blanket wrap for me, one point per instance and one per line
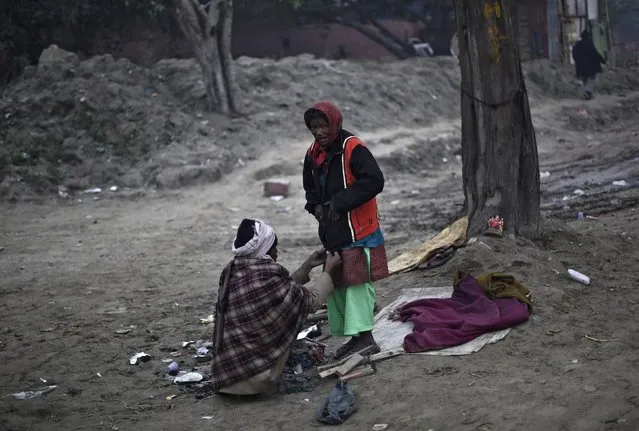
(354, 269)
(259, 313)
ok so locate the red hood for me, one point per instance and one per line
(332, 114)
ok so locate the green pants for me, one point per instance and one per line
(350, 309)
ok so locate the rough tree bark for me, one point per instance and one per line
(499, 149)
(226, 53)
(209, 34)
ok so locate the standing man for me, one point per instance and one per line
(341, 179)
(588, 62)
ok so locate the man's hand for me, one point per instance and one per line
(333, 263)
(317, 258)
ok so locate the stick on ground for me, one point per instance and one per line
(359, 372)
(348, 366)
(343, 360)
(330, 369)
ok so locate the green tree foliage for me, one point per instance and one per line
(29, 26)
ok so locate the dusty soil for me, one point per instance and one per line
(75, 272)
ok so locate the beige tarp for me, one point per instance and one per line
(453, 235)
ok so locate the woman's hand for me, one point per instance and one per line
(333, 263)
(317, 258)
(318, 212)
(333, 216)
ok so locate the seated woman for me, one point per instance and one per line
(260, 310)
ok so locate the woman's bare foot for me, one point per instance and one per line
(345, 349)
(356, 344)
(364, 340)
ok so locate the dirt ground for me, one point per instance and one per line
(73, 272)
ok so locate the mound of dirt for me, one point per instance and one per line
(543, 266)
(603, 119)
(93, 123)
(70, 125)
(558, 80)
(424, 157)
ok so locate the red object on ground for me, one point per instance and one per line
(469, 313)
(276, 188)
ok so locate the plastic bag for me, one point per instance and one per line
(339, 405)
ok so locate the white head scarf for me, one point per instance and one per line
(262, 241)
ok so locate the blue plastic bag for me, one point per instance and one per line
(339, 405)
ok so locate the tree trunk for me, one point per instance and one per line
(226, 53)
(209, 34)
(372, 35)
(499, 150)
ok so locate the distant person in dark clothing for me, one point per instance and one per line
(588, 61)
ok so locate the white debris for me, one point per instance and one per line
(63, 192)
(189, 378)
(202, 351)
(305, 332)
(139, 357)
(206, 320)
(27, 395)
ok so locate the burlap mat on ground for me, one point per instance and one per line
(453, 236)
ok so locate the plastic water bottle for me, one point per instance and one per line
(578, 276)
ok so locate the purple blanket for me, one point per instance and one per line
(469, 313)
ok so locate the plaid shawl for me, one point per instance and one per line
(259, 312)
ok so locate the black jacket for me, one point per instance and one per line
(355, 203)
(587, 59)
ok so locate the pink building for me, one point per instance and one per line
(328, 41)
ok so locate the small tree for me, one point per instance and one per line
(499, 150)
(208, 30)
